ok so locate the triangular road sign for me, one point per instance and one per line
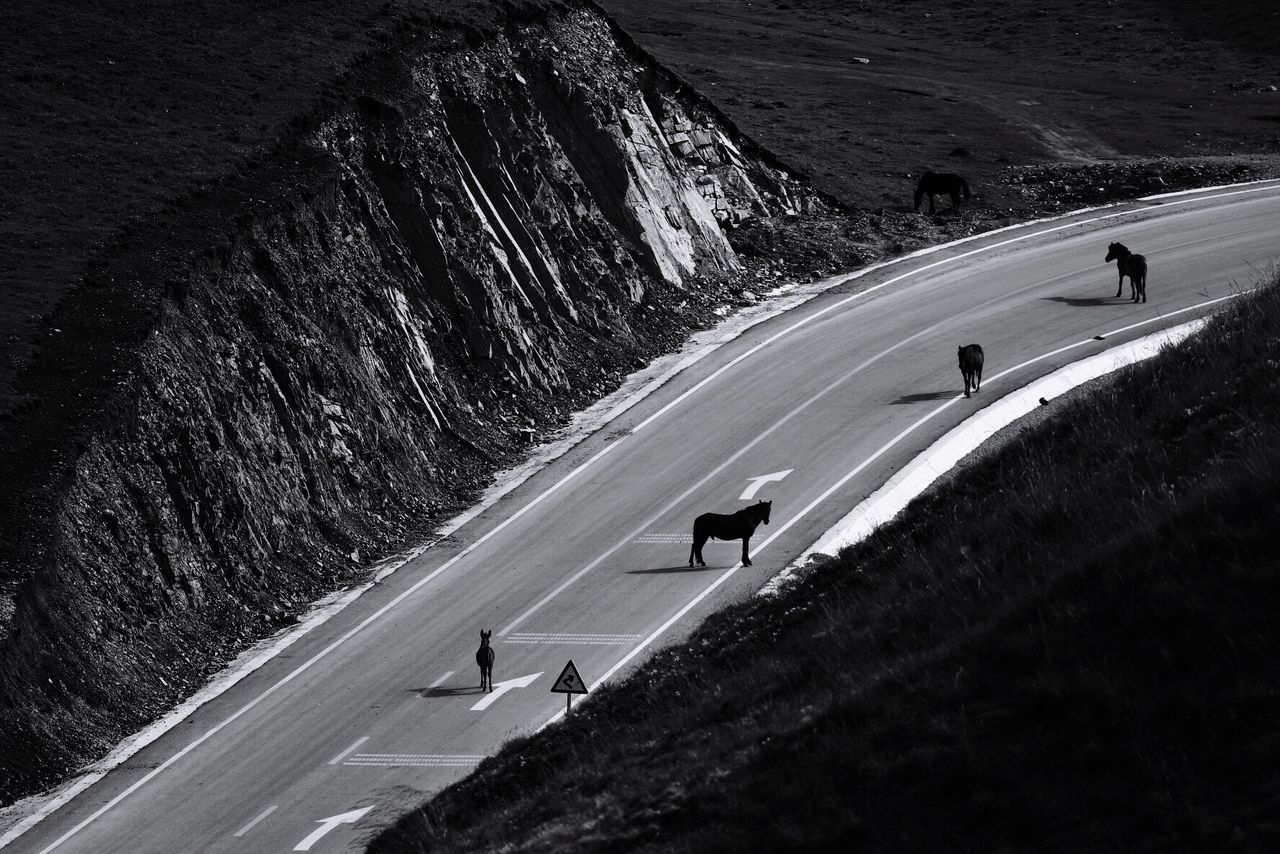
(569, 682)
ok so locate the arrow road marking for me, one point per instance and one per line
(757, 482)
(328, 824)
(500, 688)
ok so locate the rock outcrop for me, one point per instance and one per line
(502, 223)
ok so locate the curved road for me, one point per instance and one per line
(375, 709)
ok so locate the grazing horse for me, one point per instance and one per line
(728, 526)
(932, 183)
(484, 658)
(1133, 266)
(971, 366)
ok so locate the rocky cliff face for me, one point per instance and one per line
(509, 227)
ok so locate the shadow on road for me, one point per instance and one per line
(926, 396)
(665, 569)
(1085, 302)
(427, 693)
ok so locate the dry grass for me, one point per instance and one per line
(973, 87)
(982, 674)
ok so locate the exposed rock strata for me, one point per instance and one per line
(348, 364)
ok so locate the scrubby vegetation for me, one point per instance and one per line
(1069, 646)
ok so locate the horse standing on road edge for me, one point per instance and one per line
(728, 526)
(932, 183)
(971, 359)
(1131, 265)
(484, 658)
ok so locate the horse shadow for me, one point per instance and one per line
(1083, 302)
(441, 691)
(925, 396)
(666, 569)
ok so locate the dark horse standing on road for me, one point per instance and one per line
(730, 526)
(1133, 266)
(484, 658)
(971, 359)
(932, 183)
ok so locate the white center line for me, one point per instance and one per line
(440, 681)
(248, 827)
(359, 741)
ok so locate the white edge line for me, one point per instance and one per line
(657, 374)
(248, 827)
(352, 749)
(913, 479)
(1149, 344)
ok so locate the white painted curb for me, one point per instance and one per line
(944, 454)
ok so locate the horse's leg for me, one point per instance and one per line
(698, 543)
(1120, 285)
(955, 198)
(931, 208)
(746, 541)
(977, 379)
(966, 376)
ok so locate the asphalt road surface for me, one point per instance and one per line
(588, 560)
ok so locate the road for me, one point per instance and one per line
(379, 707)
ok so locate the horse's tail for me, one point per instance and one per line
(964, 185)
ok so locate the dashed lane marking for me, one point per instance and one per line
(685, 537)
(248, 827)
(571, 638)
(415, 760)
(359, 741)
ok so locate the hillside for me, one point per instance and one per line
(257, 328)
(975, 676)
(477, 232)
(862, 94)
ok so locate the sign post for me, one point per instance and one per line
(568, 683)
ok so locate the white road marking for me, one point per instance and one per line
(248, 827)
(500, 688)
(827, 493)
(440, 681)
(572, 638)
(680, 499)
(415, 760)
(805, 321)
(757, 482)
(686, 537)
(328, 824)
(27, 824)
(359, 741)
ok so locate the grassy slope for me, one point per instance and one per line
(1073, 646)
(1009, 82)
